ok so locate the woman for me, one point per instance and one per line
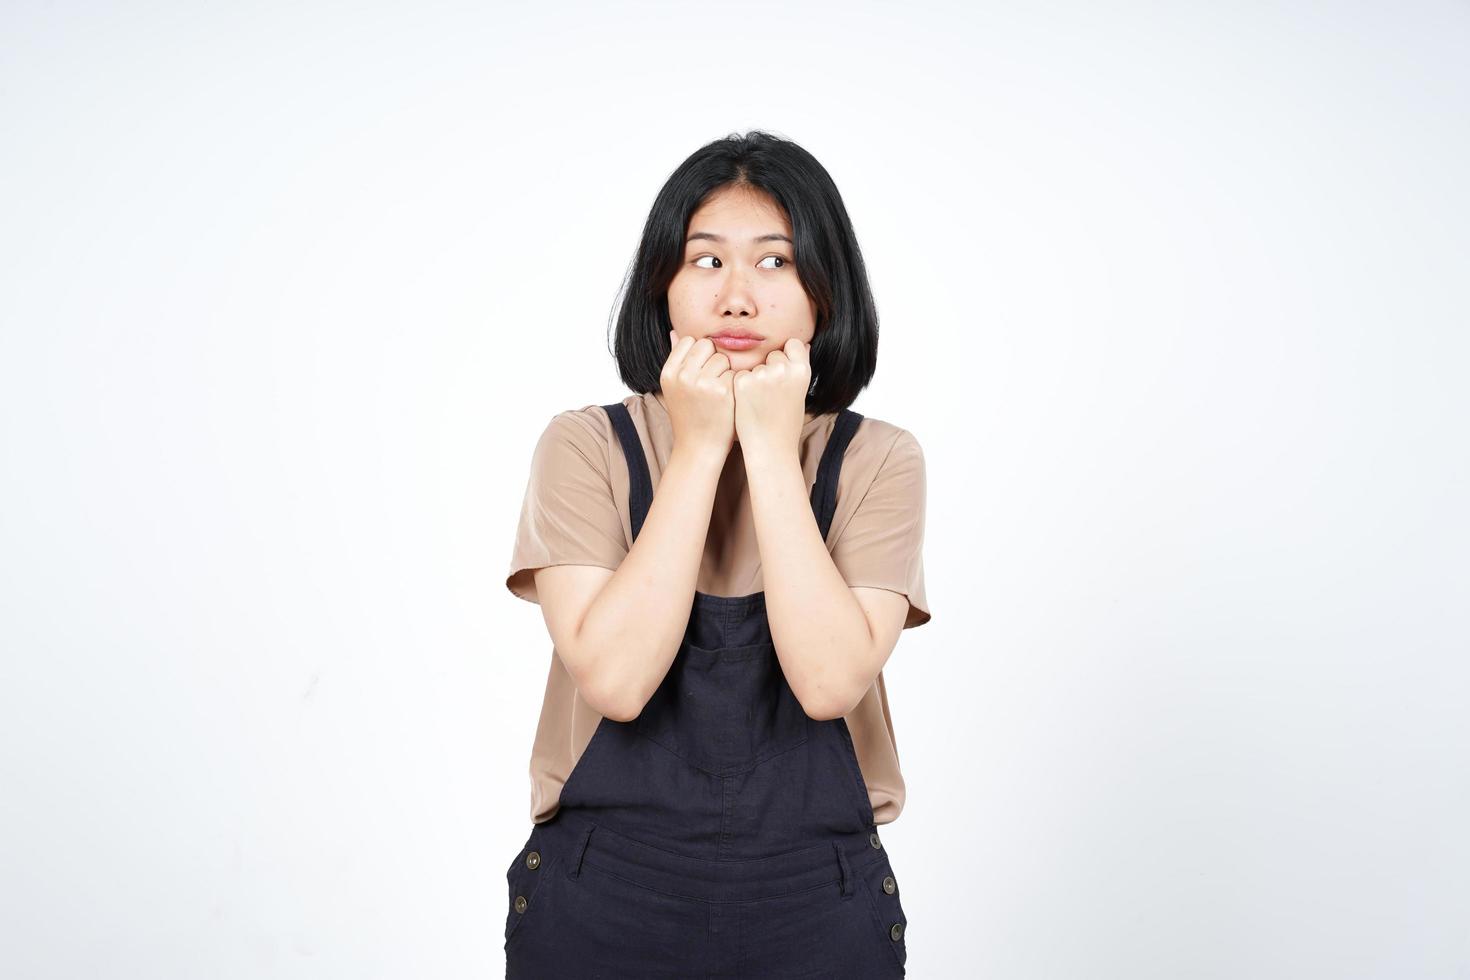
(724, 560)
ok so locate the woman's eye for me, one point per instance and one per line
(783, 260)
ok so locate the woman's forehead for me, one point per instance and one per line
(746, 212)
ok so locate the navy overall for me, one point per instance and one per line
(721, 833)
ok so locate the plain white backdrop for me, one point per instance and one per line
(1173, 296)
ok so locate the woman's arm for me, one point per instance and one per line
(619, 631)
(831, 639)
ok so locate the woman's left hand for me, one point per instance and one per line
(770, 400)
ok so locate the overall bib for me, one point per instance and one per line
(721, 833)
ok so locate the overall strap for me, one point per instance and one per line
(640, 483)
(824, 490)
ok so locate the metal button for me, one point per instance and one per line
(889, 885)
(520, 903)
(896, 933)
(873, 839)
(533, 860)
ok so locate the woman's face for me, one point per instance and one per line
(739, 274)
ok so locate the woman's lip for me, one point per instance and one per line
(736, 343)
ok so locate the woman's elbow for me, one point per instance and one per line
(828, 703)
(612, 697)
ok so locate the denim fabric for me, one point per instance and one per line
(723, 832)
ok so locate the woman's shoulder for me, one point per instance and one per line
(588, 429)
(574, 439)
(881, 438)
(592, 420)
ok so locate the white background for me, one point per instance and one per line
(1173, 296)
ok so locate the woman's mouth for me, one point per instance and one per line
(731, 342)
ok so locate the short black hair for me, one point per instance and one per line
(844, 348)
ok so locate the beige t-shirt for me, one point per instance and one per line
(575, 512)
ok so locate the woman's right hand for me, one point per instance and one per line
(699, 393)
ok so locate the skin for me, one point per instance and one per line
(618, 631)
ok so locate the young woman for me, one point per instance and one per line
(724, 560)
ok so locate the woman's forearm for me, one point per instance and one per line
(821, 634)
(633, 629)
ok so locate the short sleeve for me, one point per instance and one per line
(882, 546)
(568, 514)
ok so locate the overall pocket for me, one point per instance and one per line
(528, 882)
(878, 882)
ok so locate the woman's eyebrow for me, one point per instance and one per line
(774, 236)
